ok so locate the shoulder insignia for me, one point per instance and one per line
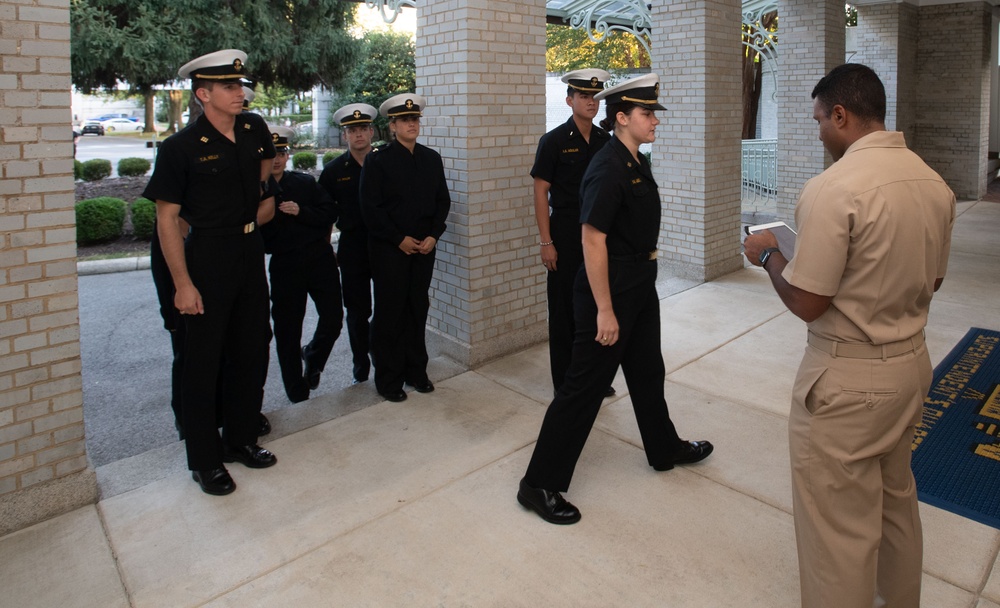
(204, 139)
(247, 126)
(629, 164)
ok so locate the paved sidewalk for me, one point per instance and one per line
(413, 504)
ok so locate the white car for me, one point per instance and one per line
(121, 124)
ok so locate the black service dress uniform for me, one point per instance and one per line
(619, 198)
(402, 194)
(302, 266)
(340, 179)
(217, 184)
(562, 158)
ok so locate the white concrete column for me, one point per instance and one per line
(481, 66)
(811, 43)
(696, 157)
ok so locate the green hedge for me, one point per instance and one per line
(143, 213)
(132, 167)
(99, 219)
(304, 161)
(95, 169)
(77, 169)
(328, 156)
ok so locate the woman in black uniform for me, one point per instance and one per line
(616, 308)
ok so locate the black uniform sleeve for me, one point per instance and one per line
(546, 158)
(169, 175)
(321, 210)
(374, 201)
(601, 193)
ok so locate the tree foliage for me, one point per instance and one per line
(386, 67)
(570, 49)
(294, 43)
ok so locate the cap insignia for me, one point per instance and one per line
(409, 104)
(357, 114)
(656, 90)
(593, 81)
(274, 137)
(238, 65)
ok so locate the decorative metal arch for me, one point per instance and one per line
(761, 39)
(394, 7)
(601, 17)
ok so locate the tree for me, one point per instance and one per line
(386, 67)
(294, 43)
(570, 49)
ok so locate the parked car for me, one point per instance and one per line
(122, 124)
(92, 126)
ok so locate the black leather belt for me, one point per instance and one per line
(635, 257)
(226, 231)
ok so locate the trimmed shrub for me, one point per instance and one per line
(328, 156)
(304, 161)
(133, 167)
(95, 169)
(99, 219)
(143, 213)
(77, 169)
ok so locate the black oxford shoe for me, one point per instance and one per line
(394, 396)
(550, 506)
(252, 456)
(610, 392)
(424, 386)
(689, 452)
(311, 374)
(265, 426)
(215, 481)
(360, 373)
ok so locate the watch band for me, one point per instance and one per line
(766, 255)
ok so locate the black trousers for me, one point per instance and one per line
(564, 226)
(309, 272)
(398, 325)
(234, 330)
(356, 279)
(571, 414)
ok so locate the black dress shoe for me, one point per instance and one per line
(214, 481)
(610, 392)
(689, 452)
(423, 386)
(252, 456)
(394, 396)
(311, 374)
(360, 373)
(550, 506)
(265, 426)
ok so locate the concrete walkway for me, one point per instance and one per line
(413, 504)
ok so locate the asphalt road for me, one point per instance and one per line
(126, 367)
(113, 148)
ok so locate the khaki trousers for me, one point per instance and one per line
(857, 526)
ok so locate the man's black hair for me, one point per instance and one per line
(857, 88)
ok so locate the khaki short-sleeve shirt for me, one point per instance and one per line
(874, 232)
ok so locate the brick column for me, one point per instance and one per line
(811, 43)
(696, 157)
(887, 43)
(952, 128)
(481, 66)
(43, 462)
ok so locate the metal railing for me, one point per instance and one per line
(759, 184)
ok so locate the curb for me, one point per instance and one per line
(108, 266)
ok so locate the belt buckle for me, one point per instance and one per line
(248, 228)
(653, 254)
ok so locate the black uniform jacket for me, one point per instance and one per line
(317, 212)
(562, 158)
(404, 194)
(341, 179)
(215, 181)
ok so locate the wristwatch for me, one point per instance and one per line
(766, 255)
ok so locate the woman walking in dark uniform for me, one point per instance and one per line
(616, 308)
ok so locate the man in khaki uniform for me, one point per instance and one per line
(874, 235)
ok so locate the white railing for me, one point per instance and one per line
(759, 175)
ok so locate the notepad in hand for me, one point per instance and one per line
(781, 231)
